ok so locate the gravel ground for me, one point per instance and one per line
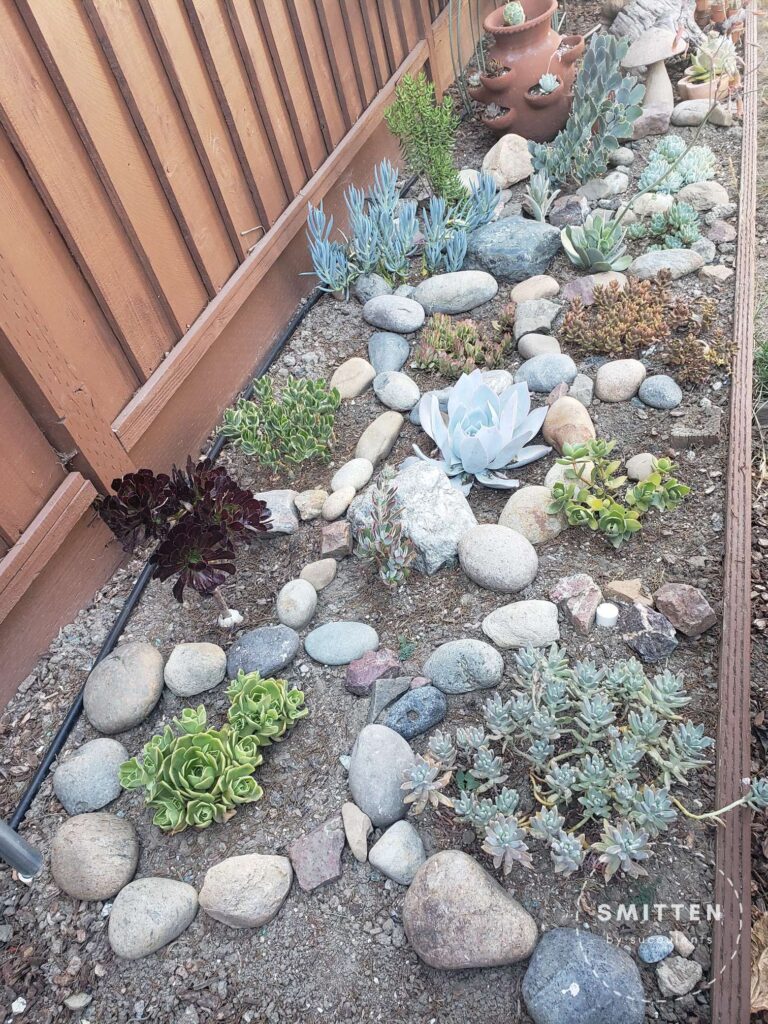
(339, 953)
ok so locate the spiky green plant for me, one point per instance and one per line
(539, 196)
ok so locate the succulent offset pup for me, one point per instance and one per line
(485, 433)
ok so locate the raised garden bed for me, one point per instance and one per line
(340, 953)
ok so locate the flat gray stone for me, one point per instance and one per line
(94, 855)
(543, 373)
(148, 914)
(378, 438)
(338, 643)
(535, 316)
(124, 688)
(399, 853)
(679, 263)
(569, 210)
(87, 779)
(396, 390)
(678, 976)
(195, 668)
(369, 286)
(457, 292)
(246, 891)
(387, 351)
(282, 507)
(265, 650)
(357, 828)
(660, 392)
(513, 249)
(394, 313)
(461, 666)
(531, 345)
(384, 692)
(379, 758)
(417, 711)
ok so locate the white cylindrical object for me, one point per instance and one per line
(607, 615)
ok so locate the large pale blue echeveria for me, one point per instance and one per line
(485, 432)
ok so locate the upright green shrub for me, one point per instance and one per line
(284, 429)
(426, 131)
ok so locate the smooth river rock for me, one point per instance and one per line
(246, 891)
(399, 853)
(195, 668)
(338, 643)
(567, 422)
(394, 313)
(387, 351)
(457, 916)
(544, 372)
(379, 758)
(378, 438)
(265, 650)
(523, 624)
(148, 914)
(94, 855)
(396, 390)
(355, 473)
(513, 249)
(124, 688)
(352, 377)
(497, 558)
(679, 263)
(619, 380)
(526, 512)
(457, 292)
(296, 603)
(86, 779)
(461, 666)
(660, 392)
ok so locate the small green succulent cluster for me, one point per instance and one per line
(673, 164)
(514, 13)
(383, 540)
(201, 775)
(603, 748)
(678, 228)
(715, 57)
(548, 83)
(597, 244)
(452, 347)
(539, 196)
(589, 495)
(283, 430)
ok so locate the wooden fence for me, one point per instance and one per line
(156, 161)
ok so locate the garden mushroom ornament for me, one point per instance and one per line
(652, 50)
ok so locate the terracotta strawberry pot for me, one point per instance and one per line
(717, 13)
(540, 100)
(528, 51)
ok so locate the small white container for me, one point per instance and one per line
(607, 615)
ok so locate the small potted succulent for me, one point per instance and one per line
(717, 12)
(713, 72)
(544, 92)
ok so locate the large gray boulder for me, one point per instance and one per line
(513, 249)
(435, 515)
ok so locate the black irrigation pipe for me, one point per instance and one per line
(75, 710)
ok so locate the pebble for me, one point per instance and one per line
(265, 650)
(677, 976)
(399, 853)
(396, 390)
(621, 157)
(394, 313)
(646, 206)
(567, 422)
(648, 633)
(310, 504)
(703, 195)
(353, 377)
(543, 373)
(195, 668)
(378, 438)
(246, 891)
(660, 392)
(583, 288)
(337, 503)
(355, 473)
(385, 692)
(363, 672)
(148, 914)
(567, 210)
(582, 388)
(87, 779)
(682, 943)
(461, 666)
(640, 466)
(655, 948)
(94, 855)
(417, 711)
(542, 286)
(707, 250)
(535, 316)
(679, 263)
(686, 607)
(338, 643)
(613, 184)
(296, 603)
(627, 592)
(523, 624)
(282, 511)
(379, 758)
(369, 286)
(508, 161)
(498, 558)
(721, 231)
(527, 513)
(387, 351)
(469, 177)
(457, 292)
(124, 688)
(320, 574)
(717, 273)
(458, 917)
(692, 113)
(357, 828)
(619, 380)
(580, 978)
(531, 345)
(513, 249)
(336, 540)
(316, 856)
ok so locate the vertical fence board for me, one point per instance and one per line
(349, 87)
(362, 58)
(138, 70)
(42, 133)
(205, 122)
(376, 41)
(331, 111)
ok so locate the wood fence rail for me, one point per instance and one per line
(156, 161)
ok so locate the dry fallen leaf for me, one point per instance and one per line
(759, 980)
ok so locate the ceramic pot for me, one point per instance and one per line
(701, 13)
(688, 90)
(528, 51)
(540, 100)
(717, 13)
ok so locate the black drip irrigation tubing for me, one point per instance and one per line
(9, 850)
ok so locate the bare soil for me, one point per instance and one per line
(339, 954)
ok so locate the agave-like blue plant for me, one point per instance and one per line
(485, 433)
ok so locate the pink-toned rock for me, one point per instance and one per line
(716, 272)
(578, 597)
(654, 120)
(567, 422)
(336, 540)
(722, 231)
(363, 672)
(558, 392)
(583, 288)
(316, 856)
(418, 681)
(686, 607)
